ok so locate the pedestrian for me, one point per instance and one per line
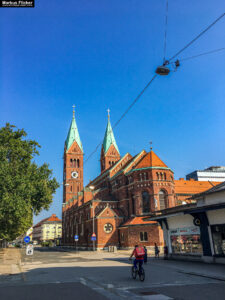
(146, 255)
(165, 252)
(156, 251)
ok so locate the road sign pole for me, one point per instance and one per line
(93, 225)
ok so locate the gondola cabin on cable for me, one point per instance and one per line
(162, 70)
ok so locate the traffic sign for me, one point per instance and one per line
(29, 249)
(93, 234)
(26, 239)
(93, 238)
(76, 237)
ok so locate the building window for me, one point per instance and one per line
(82, 229)
(162, 199)
(186, 240)
(157, 175)
(164, 176)
(133, 204)
(78, 163)
(143, 236)
(122, 237)
(145, 202)
(74, 163)
(140, 177)
(218, 235)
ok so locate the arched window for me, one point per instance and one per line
(78, 163)
(71, 188)
(144, 176)
(164, 176)
(145, 202)
(157, 175)
(140, 177)
(162, 199)
(71, 162)
(74, 163)
(133, 204)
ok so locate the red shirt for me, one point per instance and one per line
(136, 256)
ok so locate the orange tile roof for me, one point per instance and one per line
(192, 187)
(51, 219)
(138, 221)
(150, 160)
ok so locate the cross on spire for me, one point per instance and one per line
(108, 110)
(73, 110)
(150, 145)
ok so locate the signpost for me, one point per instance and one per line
(93, 238)
(26, 239)
(29, 249)
(76, 239)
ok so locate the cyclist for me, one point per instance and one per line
(139, 254)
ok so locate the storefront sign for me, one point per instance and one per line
(185, 231)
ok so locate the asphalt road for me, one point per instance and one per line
(88, 275)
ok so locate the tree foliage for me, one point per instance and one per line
(25, 187)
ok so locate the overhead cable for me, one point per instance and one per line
(165, 36)
(201, 54)
(124, 114)
(197, 37)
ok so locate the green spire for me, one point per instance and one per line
(109, 138)
(73, 134)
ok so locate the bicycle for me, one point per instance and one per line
(140, 272)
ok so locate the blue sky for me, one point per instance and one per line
(98, 54)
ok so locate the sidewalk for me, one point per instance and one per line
(10, 261)
(213, 271)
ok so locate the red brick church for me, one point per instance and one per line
(114, 204)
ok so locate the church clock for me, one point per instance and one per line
(74, 174)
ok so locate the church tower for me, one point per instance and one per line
(110, 152)
(73, 162)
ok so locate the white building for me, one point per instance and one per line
(196, 231)
(209, 174)
(48, 229)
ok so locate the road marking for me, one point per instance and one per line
(156, 297)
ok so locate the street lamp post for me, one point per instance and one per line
(93, 219)
(64, 184)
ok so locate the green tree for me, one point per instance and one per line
(25, 188)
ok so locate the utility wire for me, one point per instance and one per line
(148, 84)
(201, 54)
(124, 114)
(135, 100)
(197, 37)
(165, 36)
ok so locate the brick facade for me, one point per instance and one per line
(114, 205)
